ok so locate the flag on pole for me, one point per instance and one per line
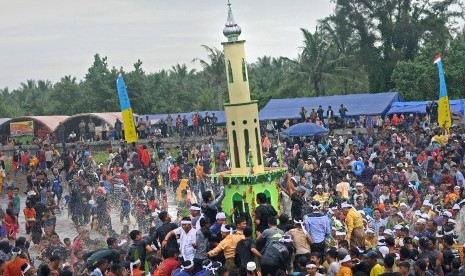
(130, 134)
(444, 117)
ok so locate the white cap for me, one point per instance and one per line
(251, 266)
(340, 233)
(417, 213)
(452, 221)
(403, 204)
(427, 203)
(345, 259)
(421, 220)
(319, 186)
(425, 216)
(221, 215)
(398, 227)
(400, 215)
(369, 230)
(387, 232)
(358, 184)
(346, 205)
(456, 207)
(447, 214)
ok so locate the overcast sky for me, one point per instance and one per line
(53, 38)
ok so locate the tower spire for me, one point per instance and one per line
(231, 29)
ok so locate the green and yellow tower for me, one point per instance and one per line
(247, 176)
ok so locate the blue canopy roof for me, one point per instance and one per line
(305, 129)
(356, 104)
(219, 114)
(420, 107)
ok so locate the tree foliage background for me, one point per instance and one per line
(363, 46)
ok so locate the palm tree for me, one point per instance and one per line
(215, 70)
(309, 69)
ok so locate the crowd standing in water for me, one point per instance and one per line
(386, 202)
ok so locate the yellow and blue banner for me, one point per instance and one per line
(130, 134)
(462, 111)
(444, 117)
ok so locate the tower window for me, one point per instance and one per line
(247, 143)
(244, 70)
(230, 73)
(237, 162)
(259, 150)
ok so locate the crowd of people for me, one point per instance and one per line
(172, 126)
(388, 202)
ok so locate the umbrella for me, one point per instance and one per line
(305, 129)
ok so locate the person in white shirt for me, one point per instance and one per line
(187, 237)
(459, 179)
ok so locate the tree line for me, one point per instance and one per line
(363, 46)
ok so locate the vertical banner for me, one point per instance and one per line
(130, 134)
(444, 117)
(462, 111)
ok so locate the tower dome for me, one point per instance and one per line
(231, 29)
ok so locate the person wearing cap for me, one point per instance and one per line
(427, 209)
(452, 197)
(320, 196)
(345, 266)
(459, 178)
(354, 222)
(370, 238)
(319, 227)
(187, 238)
(228, 246)
(220, 220)
(372, 259)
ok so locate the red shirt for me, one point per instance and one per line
(174, 173)
(168, 266)
(13, 267)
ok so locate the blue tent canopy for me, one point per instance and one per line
(219, 114)
(305, 129)
(356, 104)
(420, 107)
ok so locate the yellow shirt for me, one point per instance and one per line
(228, 245)
(344, 271)
(371, 243)
(321, 198)
(377, 270)
(343, 189)
(353, 220)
